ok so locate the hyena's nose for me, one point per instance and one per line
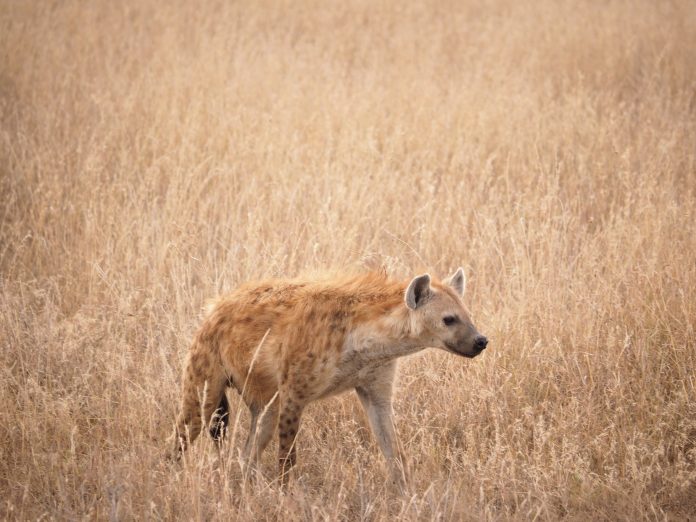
(480, 342)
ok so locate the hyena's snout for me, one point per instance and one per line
(475, 346)
(469, 345)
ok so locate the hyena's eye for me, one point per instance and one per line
(449, 320)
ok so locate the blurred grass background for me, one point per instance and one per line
(153, 155)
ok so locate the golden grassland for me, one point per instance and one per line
(154, 154)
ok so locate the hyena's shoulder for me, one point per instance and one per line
(330, 308)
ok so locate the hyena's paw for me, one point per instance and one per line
(175, 451)
(172, 456)
(251, 473)
(398, 480)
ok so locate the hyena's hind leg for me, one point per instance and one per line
(255, 412)
(203, 394)
(263, 425)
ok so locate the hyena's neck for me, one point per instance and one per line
(385, 338)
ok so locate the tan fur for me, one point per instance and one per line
(285, 343)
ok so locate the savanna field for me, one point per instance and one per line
(153, 155)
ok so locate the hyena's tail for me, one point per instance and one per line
(221, 419)
(203, 398)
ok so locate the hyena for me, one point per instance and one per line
(285, 343)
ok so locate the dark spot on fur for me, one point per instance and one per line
(259, 292)
(338, 321)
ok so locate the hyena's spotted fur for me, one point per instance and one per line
(285, 343)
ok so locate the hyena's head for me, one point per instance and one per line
(438, 314)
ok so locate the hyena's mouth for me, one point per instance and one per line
(470, 354)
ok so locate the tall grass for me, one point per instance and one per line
(153, 155)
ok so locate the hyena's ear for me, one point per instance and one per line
(418, 291)
(457, 281)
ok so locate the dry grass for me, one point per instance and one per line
(154, 155)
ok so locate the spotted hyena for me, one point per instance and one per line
(285, 343)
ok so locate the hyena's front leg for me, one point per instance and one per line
(288, 426)
(376, 398)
